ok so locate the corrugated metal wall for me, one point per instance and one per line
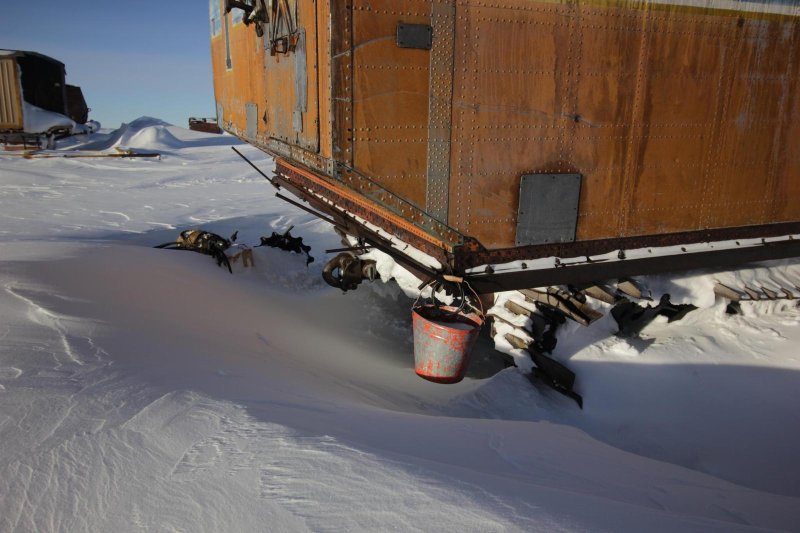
(10, 107)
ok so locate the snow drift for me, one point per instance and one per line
(150, 389)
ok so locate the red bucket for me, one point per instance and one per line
(443, 340)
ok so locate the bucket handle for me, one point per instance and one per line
(462, 308)
(434, 284)
(481, 311)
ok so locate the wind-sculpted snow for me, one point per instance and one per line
(150, 390)
(147, 134)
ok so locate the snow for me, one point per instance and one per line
(145, 389)
(38, 120)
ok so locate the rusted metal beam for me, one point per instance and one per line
(352, 202)
(587, 272)
(307, 210)
(465, 260)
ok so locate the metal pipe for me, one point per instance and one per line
(255, 167)
(308, 210)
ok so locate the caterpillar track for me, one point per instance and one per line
(525, 322)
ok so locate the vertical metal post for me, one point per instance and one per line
(440, 104)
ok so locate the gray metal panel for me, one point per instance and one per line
(548, 208)
(228, 59)
(252, 120)
(414, 36)
(220, 112)
(301, 75)
(297, 119)
(443, 16)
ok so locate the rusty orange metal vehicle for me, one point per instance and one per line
(569, 141)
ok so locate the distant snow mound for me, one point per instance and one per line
(145, 121)
(144, 133)
(155, 137)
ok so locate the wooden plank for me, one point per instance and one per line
(772, 295)
(727, 292)
(10, 96)
(601, 293)
(565, 303)
(518, 309)
(516, 342)
(629, 288)
(752, 293)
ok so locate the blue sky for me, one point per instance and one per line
(130, 58)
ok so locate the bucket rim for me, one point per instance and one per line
(473, 318)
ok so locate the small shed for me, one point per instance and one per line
(32, 79)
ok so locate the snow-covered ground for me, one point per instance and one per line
(150, 390)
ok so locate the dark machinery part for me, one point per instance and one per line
(545, 321)
(286, 242)
(548, 370)
(545, 326)
(255, 12)
(346, 272)
(554, 375)
(632, 318)
(204, 242)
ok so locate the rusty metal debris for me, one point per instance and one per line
(204, 242)
(120, 153)
(285, 241)
(206, 125)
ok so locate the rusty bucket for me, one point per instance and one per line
(443, 340)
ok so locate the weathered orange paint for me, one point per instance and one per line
(363, 202)
(679, 118)
(256, 77)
